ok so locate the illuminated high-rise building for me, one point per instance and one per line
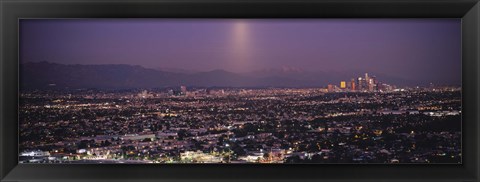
(343, 85)
(370, 85)
(367, 82)
(360, 83)
(330, 88)
(375, 83)
(170, 92)
(380, 86)
(183, 89)
(352, 84)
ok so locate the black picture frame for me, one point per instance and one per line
(13, 10)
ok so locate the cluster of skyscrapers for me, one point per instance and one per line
(367, 83)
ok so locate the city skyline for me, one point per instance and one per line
(163, 91)
(408, 49)
(45, 75)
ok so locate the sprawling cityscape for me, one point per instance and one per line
(240, 91)
(359, 121)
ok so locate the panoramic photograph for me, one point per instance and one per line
(240, 91)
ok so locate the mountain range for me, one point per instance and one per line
(42, 75)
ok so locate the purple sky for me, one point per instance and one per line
(404, 48)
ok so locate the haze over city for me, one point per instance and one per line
(409, 49)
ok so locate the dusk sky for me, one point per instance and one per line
(404, 48)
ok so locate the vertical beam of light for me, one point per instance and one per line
(241, 39)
